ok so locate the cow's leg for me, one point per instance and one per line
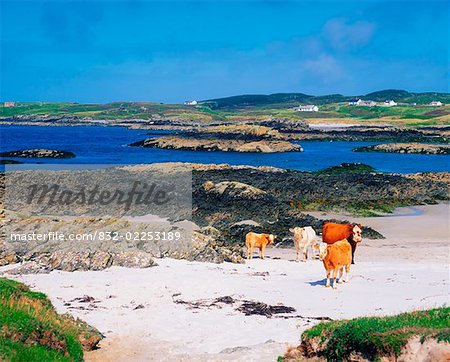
(341, 275)
(262, 248)
(305, 252)
(328, 278)
(335, 271)
(353, 245)
(297, 250)
(347, 273)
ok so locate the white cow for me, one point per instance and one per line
(303, 238)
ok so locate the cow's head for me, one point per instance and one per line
(357, 233)
(272, 238)
(297, 231)
(323, 249)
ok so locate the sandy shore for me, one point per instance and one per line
(135, 308)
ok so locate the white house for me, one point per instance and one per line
(362, 103)
(307, 108)
(389, 103)
(9, 104)
(436, 104)
(353, 102)
(191, 103)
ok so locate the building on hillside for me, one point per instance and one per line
(9, 104)
(191, 103)
(389, 103)
(436, 104)
(307, 108)
(362, 103)
(353, 102)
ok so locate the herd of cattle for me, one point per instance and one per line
(336, 250)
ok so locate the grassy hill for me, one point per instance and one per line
(278, 100)
(245, 108)
(372, 337)
(31, 330)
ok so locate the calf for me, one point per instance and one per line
(303, 237)
(254, 240)
(335, 258)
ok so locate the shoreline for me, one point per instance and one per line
(403, 272)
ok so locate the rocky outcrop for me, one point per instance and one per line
(419, 148)
(416, 349)
(233, 189)
(201, 244)
(82, 261)
(370, 133)
(215, 145)
(38, 153)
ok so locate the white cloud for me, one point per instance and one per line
(326, 68)
(342, 35)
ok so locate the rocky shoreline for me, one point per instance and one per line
(288, 129)
(227, 202)
(413, 148)
(219, 145)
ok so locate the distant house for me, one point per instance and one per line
(362, 103)
(307, 108)
(389, 103)
(436, 104)
(353, 102)
(191, 103)
(9, 104)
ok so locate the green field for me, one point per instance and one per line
(412, 109)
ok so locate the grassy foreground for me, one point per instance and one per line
(31, 330)
(374, 337)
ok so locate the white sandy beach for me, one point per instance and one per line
(135, 308)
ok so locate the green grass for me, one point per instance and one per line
(241, 108)
(346, 168)
(379, 336)
(397, 112)
(31, 330)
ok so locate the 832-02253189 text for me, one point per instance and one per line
(98, 235)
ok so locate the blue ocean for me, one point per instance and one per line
(96, 145)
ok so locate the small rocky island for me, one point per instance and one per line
(418, 148)
(38, 153)
(224, 145)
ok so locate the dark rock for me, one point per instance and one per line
(38, 153)
(9, 162)
(417, 148)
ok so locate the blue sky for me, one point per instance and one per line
(170, 51)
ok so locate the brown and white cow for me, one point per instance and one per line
(336, 257)
(333, 232)
(254, 240)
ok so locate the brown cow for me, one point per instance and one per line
(332, 232)
(254, 240)
(336, 257)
